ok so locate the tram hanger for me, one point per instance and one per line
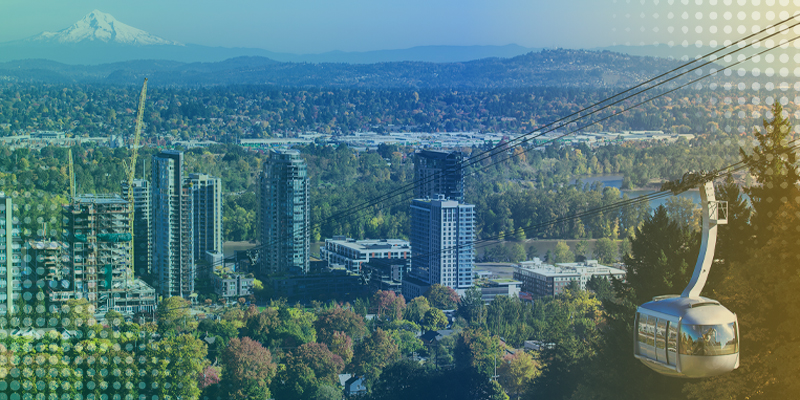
(688, 335)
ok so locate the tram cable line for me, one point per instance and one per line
(663, 193)
(561, 121)
(725, 171)
(374, 203)
(473, 161)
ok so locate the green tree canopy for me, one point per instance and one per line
(472, 307)
(477, 348)
(416, 309)
(562, 253)
(373, 354)
(434, 320)
(606, 251)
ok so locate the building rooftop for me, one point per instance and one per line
(133, 285)
(100, 199)
(438, 154)
(568, 269)
(445, 202)
(370, 244)
(287, 152)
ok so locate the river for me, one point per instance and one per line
(616, 181)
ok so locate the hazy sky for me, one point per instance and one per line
(314, 26)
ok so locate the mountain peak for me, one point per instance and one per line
(98, 26)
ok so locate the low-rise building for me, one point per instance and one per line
(386, 274)
(329, 283)
(353, 253)
(136, 297)
(492, 288)
(542, 279)
(232, 285)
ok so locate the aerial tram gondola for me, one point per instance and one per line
(688, 335)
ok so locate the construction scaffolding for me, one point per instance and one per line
(44, 262)
(96, 230)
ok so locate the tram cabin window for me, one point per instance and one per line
(709, 340)
(646, 335)
(672, 343)
(661, 340)
(657, 339)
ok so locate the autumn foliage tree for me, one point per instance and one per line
(248, 370)
(442, 297)
(342, 345)
(339, 319)
(262, 326)
(388, 305)
(477, 349)
(518, 373)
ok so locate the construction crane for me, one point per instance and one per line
(130, 169)
(71, 178)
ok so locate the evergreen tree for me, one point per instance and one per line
(773, 164)
(659, 262)
(733, 238)
(761, 284)
(472, 307)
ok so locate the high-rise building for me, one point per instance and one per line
(98, 239)
(442, 246)
(284, 214)
(142, 225)
(172, 264)
(10, 260)
(207, 203)
(438, 172)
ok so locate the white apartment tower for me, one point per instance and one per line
(10, 251)
(284, 214)
(207, 202)
(172, 265)
(442, 246)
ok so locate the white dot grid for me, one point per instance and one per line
(749, 89)
(44, 371)
(692, 29)
(92, 364)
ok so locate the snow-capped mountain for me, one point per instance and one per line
(98, 38)
(98, 26)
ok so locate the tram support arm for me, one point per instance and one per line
(711, 219)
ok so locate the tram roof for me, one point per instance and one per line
(694, 311)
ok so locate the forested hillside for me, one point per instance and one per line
(229, 113)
